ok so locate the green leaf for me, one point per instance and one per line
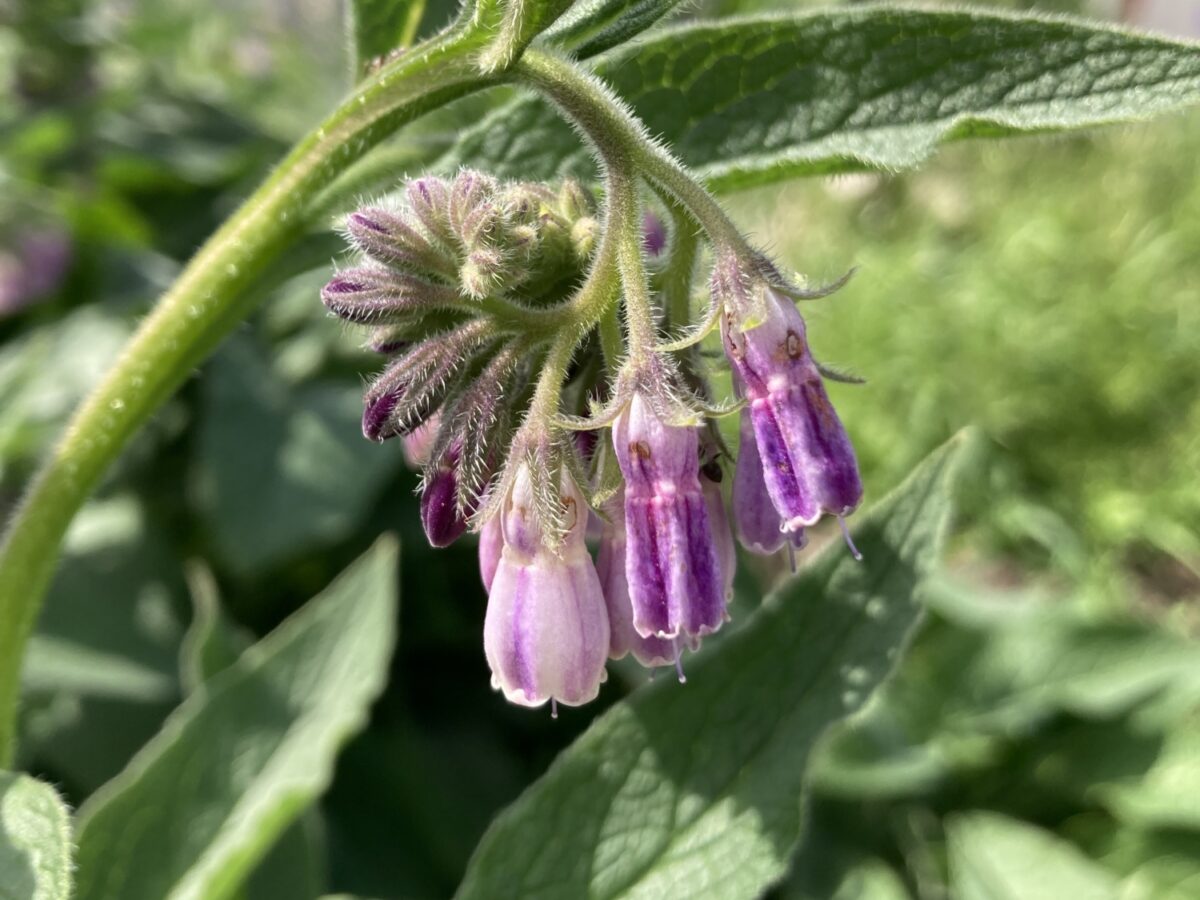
(593, 26)
(699, 785)
(293, 868)
(751, 100)
(1167, 793)
(377, 27)
(213, 642)
(993, 857)
(35, 840)
(983, 671)
(240, 759)
(282, 469)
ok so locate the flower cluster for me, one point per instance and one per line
(464, 283)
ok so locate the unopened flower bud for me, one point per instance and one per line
(483, 273)
(546, 632)
(808, 464)
(440, 517)
(470, 191)
(369, 295)
(406, 392)
(671, 560)
(573, 201)
(584, 234)
(429, 199)
(389, 238)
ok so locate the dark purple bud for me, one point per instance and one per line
(369, 295)
(440, 516)
(671, 560)
(546, 633)
(610, 565)
(408, 390)
(808, 463)
(389, 238)
(654, 234)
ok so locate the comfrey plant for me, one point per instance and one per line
(483, 296)
(546, 300)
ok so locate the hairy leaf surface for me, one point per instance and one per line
(752, 100)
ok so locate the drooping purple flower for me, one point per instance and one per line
(441, 518)
(671, 562)
(491, 545)
(722, 535)
(759, 525)
(610, 564)
(546, 632)
(808, 463)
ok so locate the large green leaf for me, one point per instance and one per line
(281, 469)
(377, 27)
(35, 840)
(751, 100)
(986, 669)
(241, 758)
(699, 785)
(993, 857)
(593, 26)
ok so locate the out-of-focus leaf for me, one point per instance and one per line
(828, 866)
(293, 868)
(213, 642)
(45, 373)
(971, 684)
(1152, 865)
(35, 840)
(281, 470)
(243, 757)
(1167, 793)
(101, 674)
(593, 26)
(994, 857)
(110, 627)
(753, 100)
(700, 785)
(377, 27)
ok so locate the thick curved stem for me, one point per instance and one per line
(609, 123)
(203, 305)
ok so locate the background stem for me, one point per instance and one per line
(205, 304)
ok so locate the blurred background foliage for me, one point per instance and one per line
(1046, 291)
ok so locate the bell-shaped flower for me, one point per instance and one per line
(671, 563)
(759, 525)
(808, 464)
(546, 632)
(610, 564)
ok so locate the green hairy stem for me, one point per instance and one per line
(203, 306)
